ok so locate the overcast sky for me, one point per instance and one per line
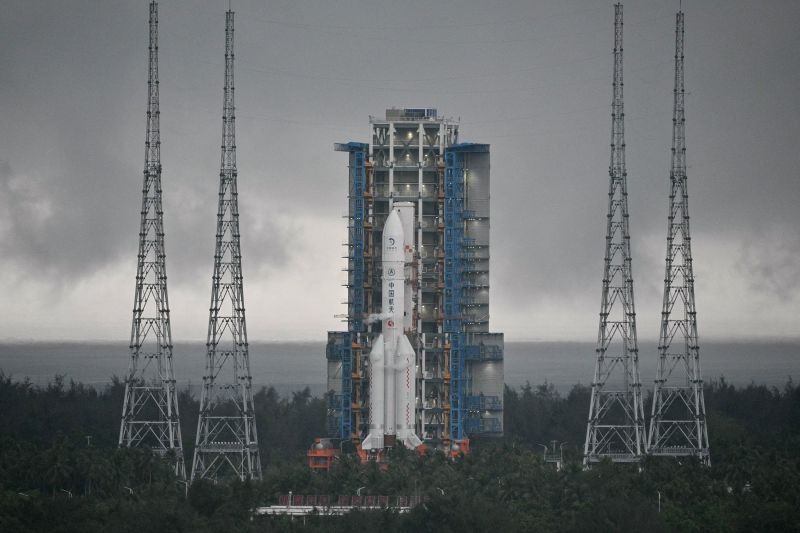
(533, 79)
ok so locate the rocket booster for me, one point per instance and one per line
(392, 361)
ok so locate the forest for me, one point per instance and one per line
(61, 470)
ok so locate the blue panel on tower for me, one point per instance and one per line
(453, 290)
(465, 415)
(340, 417)
(468, 147)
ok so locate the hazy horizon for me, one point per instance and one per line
(323, 340)
(292, 365)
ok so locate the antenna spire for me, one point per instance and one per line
(616, 417)
(150, 410)
(227, 442)
(678, 422)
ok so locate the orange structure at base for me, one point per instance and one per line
(380, 456)
(322, 454)
(459, 447)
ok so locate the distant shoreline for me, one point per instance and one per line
(323, 340)
(290, 366)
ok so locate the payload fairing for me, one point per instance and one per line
(392, 360)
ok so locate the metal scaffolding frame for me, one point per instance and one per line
(405, 162)
(341, 423)
(460, 268)
(453, 318)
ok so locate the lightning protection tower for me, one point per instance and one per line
(150, 410)
(678, 423)
(615, 429)
(227, 443)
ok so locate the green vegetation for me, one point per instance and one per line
(53, 479)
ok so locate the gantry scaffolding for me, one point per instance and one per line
(414, 156)
(678, 423)
(150, 417)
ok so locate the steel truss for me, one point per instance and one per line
(227, 442)
(678, 423)
(150, 416)
(616, 427)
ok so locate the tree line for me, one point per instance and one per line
(61, 470)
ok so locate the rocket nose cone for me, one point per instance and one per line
(393, 223)
(392, 236)
(376, 354)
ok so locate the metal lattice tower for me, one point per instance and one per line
(227, 443)
(678, 423)
(150, 410)
(615, 429)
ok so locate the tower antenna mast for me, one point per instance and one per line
(615, 427)
(227, 442)
(678, 422)
(150, 410)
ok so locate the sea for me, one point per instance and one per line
(292, 366)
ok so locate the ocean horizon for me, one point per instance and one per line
(291, 366)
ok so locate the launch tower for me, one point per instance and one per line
(414, 158)
(150, 410)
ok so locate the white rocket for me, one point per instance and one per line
(392, 361)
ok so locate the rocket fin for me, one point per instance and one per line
(373, 441)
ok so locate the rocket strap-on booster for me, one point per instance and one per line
(392, 361)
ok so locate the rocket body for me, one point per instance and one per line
(392, 385)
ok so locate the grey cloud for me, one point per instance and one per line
(533, 79)
(770, 264)
(56, 234)
(190, 240)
